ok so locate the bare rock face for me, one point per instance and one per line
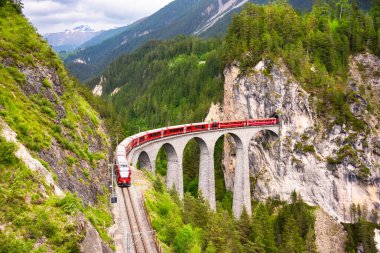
(300, 159)
(92, 241)
(377, 239)
(330, 235)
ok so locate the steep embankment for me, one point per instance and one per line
(52, 143)
(301, 157)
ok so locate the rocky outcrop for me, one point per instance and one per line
(303, 157)
(23, 154)
(92, 241)
(377, 239)
(330, 236)
(98, 89)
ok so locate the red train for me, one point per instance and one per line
(122, 150)
(122, 169)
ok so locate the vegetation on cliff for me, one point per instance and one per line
(316, 47)
(42, 104)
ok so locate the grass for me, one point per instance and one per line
(30, 214)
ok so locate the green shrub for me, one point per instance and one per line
(299, 147)
(46, 83)
(71, 160)
(7, 150)
(70, 204)
(86, 173)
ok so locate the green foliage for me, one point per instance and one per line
(70, 204)
(36, 128)
(315, 46)
(191, 159)
(273, 227)
(165, 83)
(39, 218)
(7, 150)
(362, 234)
(186, 240)
(162, 162)
(35, 114)
(300, 147)
(46, 83)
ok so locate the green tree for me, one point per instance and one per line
(262, 229)
(291, 238)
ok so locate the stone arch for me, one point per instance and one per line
(224, 178)
(144, 161)
(264, 146)
(241, 192)
(266, 130)
(237, 144)
(206, 179)
(174, 168)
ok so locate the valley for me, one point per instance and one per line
(244, 126)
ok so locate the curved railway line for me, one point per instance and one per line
(140, 239)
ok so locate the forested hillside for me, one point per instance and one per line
(165, 83)
(275, 226)
(53, 149)
(316, 47)
(204, 18)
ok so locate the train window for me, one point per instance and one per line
(124, 168)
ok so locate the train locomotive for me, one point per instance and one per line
(122, 168)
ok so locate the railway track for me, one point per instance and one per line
(140, 239)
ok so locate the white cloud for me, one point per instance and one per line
(58, 15)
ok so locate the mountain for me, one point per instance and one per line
(102, 36)
(53, 149)
(71, 39)
(203, 18)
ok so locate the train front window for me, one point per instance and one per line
(124, 171)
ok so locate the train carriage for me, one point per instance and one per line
(262, 122)
(232, 124)
(174, 130)
(197, 127)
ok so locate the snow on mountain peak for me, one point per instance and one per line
(80, 28)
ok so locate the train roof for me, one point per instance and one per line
(120, 150)
(262, 119)
(174, 127)
(154, 130)
(198, 123)
(122, 160)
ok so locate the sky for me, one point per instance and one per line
(57, 15)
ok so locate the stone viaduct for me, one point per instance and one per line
(174, 145)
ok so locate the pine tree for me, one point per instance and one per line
(310, 246)
(262, 229)
(244, 225)
(291, 238)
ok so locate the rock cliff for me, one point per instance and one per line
(304, 157)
